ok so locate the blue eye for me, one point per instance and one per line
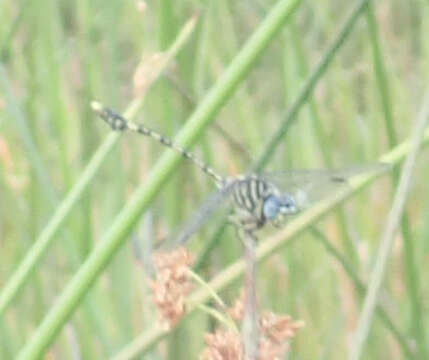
(271, 207)
(275, 205)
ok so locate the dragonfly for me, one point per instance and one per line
(258, 199)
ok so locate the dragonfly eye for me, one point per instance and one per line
(276, 205)
(271, 207)
(288, 205)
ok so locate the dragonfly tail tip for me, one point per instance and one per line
(96, 106)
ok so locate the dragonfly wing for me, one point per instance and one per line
(312, 192)
(203, 214)
(297, 177)
(311, 185)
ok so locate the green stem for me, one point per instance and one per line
(291, 114)
(361, 290)
(308, 87)
(324, 148)
(47, 236)
(387, 238)
(411, 272)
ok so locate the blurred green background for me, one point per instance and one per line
(57, 56)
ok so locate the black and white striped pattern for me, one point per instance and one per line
(248, 191)
(119, 123)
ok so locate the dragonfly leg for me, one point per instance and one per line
(244, 220)
(279, 222)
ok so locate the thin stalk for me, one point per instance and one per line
(250, 328)
(7, 38)
(324, 147)
(417, 321)
(47, 236)
(307, 89)
(301, 60)
(44, 240)
(371, 298)
(361, 290)
(31, 149)
(291, 114)
(116, 235)
(381, 77)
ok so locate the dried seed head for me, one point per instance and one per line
(270, 351)
(279, 328)
(147, 72)
(172, 283)
(141, 6)
(222, 345)
(237, 310)
(276, 332)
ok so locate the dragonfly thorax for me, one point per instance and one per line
(258, 201)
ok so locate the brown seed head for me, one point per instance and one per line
(276, 331)
(172, 283)
(279, 328)
(237, 310)
(222, 345)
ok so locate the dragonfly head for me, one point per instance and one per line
(277, 206)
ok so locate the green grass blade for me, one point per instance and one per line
(27, 139)
(380, 73)
(7, 38)
(308, 87)
(33, 256)
(366, 316)
(323, 143)
(417, 319)
(361, 290)
(46, 237)
(291, 114)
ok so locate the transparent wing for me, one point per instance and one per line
(204, 213)
(311, 185)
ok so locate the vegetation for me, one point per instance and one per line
(256, 86)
